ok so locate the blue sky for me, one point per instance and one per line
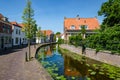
(50, 14)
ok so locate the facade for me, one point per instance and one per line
(46, 36)
(73, 26)
(18, 37)
(23, 37)
(61, 36)
(41, 39)
(5, 33)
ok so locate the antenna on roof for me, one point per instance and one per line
(65, 17)
(78, 17)
(96, 17)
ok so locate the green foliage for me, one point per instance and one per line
(109, 39)
(111, 11)
(112, 72)
(83, 31)
(54, 38)
(60, 41)
(75, 40)
(30, 26)
(38, 33)
(58, 33)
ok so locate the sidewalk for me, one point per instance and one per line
(14, 67)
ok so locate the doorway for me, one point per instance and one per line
(2, 43)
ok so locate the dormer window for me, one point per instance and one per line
(72, 27)
(85, 26)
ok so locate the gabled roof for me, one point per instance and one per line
(1, 16)
(21, 24)
(4, 20)
(92, 23)
(15, 24)
(47, 32)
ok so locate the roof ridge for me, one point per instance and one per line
(82, 18)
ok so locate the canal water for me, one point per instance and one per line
(64, 65)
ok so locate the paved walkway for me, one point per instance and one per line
(14, 67)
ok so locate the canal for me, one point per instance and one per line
(65, 65)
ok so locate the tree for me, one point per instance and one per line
(108, 36)
(57, 36)
(38, 34)
(29, 24)
(34, 30)
(83, 31)
(109, 39)
(111, 11)
(58, 33)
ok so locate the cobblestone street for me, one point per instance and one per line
(14, 67)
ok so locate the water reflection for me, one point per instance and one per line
(48, 51)
(74, 68)
(70, 68)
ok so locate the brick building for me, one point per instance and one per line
(5, 33)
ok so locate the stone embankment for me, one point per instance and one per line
(91, 53)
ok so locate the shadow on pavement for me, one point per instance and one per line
(12, 50)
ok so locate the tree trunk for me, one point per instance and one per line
(29, 49)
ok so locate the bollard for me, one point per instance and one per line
(26, 57)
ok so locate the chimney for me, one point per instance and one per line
(77, 17)
(96, 17)
(5, 19)
(65, 17)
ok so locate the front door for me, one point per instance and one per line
(2, 43)
(20, 41)
(12, 42)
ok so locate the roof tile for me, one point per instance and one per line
(92, 23)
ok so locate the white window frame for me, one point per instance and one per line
(72, 27)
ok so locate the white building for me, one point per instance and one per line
(23, 37)
(40, 39)
(18, 37)
(62, 36)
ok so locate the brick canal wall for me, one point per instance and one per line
(35, 48)
(91, 53)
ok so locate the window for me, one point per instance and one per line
(16, 40)
(9, 39)
(16, 31)
(8, 30)
(4, 29)
(19, 32)
(6, 40)
(85, 26)
(72, 27)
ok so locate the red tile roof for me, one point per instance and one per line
(47, 32)
(92, 23)
(1, 16)
(16, 24)
(21, 25)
